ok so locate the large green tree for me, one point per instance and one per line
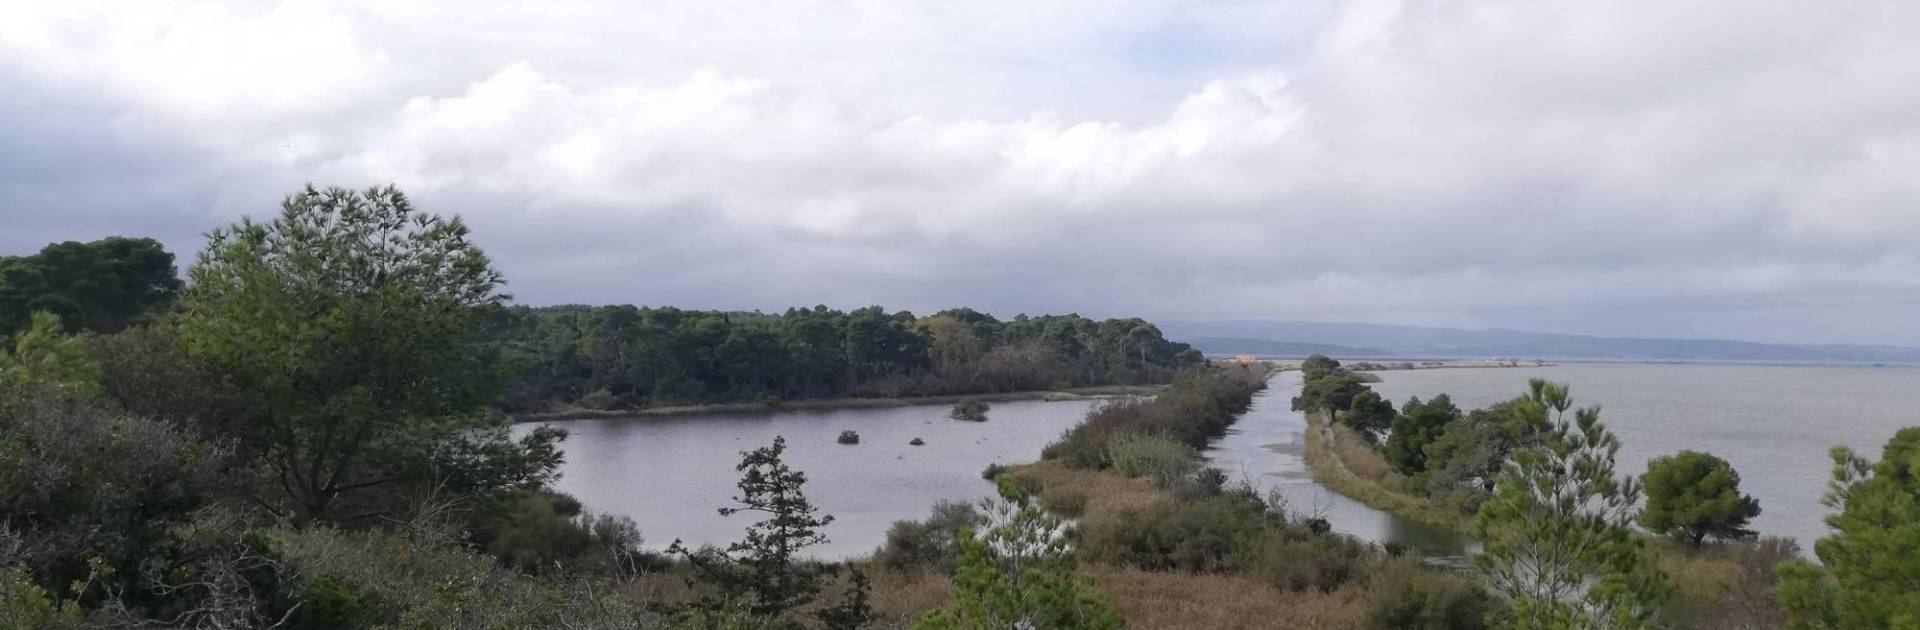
(1869, 571)
(1694, 495)
(1419, 423)
(1558, 529)
(102, 285)
(1369, 415)
(345, 329)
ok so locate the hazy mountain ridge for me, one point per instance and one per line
(1244, 336)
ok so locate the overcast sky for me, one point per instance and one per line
(1730, 169)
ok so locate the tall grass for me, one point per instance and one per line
(1163, 461)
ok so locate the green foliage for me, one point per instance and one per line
(766, 568)
(24, 605)
(932, 543)
(1369, 415)
(387, 580)
(1463, 463)
(541, 531)
(1694, 495)
(1869, 576)
(1199, 405)
(970, 410)
(100, 286)
(1163, 460)
(1331, 391)
(43, 358)
(1018, 573)
(623, 356)
(1417, 425)
(81, 484)
(1408, 597)
(345, 328)
(1558, 530)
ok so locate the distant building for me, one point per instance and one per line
(1245, 358)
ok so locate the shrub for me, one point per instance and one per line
(916, 442)
(1407, 597)
(848, 437)
(971, 410)
(992, 470)
(539, 532)
(928, 544)
(1293, 560)
(1161, 460)
(1199, 536)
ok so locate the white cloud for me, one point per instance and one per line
(1555, 165)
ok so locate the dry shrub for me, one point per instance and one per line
(1726, 586)
(1096, 493)
(1362, 458)
(899, 595)
(1149, 599)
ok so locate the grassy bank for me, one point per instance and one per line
(1339, 460)
(828, 404)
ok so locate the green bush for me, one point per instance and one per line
(970, 410)
(1161, 460)
(1408, 597)
(931, 543)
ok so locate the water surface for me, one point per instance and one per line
(671, 475)
(1774, 423)
(1266, 448)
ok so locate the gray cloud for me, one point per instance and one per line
(1691, 169)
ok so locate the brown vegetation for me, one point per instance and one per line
(1153, 599)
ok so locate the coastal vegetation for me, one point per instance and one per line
(1569, 543)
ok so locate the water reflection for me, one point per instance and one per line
(671, 474)
(1265, 447)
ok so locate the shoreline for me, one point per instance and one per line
(835, 404)
(1329, 469)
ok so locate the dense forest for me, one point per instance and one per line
(624, 356)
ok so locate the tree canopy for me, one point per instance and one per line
(1869, 571)
(345, 328)
(1694, 495)
(102, 286)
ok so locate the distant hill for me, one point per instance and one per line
(1378, 340)
(1270, 348)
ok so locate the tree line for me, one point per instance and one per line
(625, 356)
(1564, 531)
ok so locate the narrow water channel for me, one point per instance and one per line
(1267, 448)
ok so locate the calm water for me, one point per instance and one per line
(1265, 448)
(1773, 423)
(670, 475)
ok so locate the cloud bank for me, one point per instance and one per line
(1713, 169)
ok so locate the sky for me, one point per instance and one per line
(1725, 169)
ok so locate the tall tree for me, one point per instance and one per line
(1418, 424)
(1869, 571)
(1369, 415)
(766, 568)
(1558, 530)
(345, 327)
(1694, 495)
